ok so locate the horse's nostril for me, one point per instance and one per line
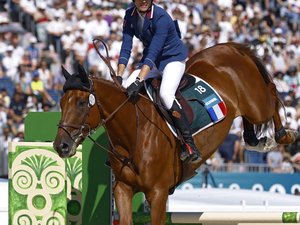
(64, 147)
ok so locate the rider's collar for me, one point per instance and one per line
(149, 13)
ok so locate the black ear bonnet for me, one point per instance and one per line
(77, 81)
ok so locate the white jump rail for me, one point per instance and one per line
(224, 217)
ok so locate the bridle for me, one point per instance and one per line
(81, 129)
(84, 126)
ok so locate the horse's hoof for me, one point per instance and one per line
(288, 138)
(264, 145)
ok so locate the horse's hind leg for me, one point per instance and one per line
(157, 200)
(283, 135)
(249, 134)
(263, 144)
(123, 196)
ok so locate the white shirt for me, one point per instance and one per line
(56, 26)
(80, 48)
(98, 28)
(226, 30)
(11, 64)
(67, 40)
(278, 62)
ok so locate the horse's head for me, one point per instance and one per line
(80, 112)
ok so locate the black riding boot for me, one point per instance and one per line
(181, 123)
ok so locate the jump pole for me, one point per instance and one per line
(182, 218)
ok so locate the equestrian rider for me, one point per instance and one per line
(163, 50)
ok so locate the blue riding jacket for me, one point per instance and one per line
(160, 38)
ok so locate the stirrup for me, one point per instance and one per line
(188, 155)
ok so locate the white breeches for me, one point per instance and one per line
(171, 77)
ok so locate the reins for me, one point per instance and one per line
(118, 156)
(121, 158)
(106, 60)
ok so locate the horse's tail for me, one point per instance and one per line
(266, 76)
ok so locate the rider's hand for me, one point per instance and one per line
(134, 88)
(120, 80)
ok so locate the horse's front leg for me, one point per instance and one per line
(123, 196)
(157, 199)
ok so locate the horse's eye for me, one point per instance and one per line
(82, 103)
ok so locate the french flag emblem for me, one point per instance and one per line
(218, 111)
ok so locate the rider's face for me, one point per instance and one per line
(142, 5)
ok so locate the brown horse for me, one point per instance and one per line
(144, 156)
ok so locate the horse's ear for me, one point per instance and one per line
(66, 74)
(83, 74)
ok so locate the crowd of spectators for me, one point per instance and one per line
(36, 37)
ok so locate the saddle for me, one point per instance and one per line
(185, 83)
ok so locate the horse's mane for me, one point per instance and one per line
(104, 81)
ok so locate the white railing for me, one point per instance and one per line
(238, 168)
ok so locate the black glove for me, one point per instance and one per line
(120, 80)
(134, 88)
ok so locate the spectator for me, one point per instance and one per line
(33, 52)
(18, 51)
(226, 29)
(292, 57)
(296, 162)
(67, 40)
(38, 89)
(3, 117)
(229, 149)
(10, 63)
(80, 50)
(41, 20)
(25, 62)
(291, 78)
(33, 104)
(98, 26)
(278, 60)
(281, 85)
(71, 19)
(287, 165)
(55, 29)
(17, 110)
(4, 98)
(275, 159)
(288, 114)
(45, 74)
(5, 138)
